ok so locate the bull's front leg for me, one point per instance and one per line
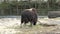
(34, 23)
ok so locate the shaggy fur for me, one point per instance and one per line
(29, 15)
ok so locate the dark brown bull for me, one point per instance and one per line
(29, 15)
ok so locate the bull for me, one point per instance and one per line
(29, 15)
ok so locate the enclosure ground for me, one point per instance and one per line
(12, 26)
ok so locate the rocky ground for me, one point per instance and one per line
(12, 26)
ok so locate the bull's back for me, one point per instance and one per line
(28, 15)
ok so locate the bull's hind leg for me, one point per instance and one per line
(21, 23)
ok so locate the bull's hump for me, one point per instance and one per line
(29, 10)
